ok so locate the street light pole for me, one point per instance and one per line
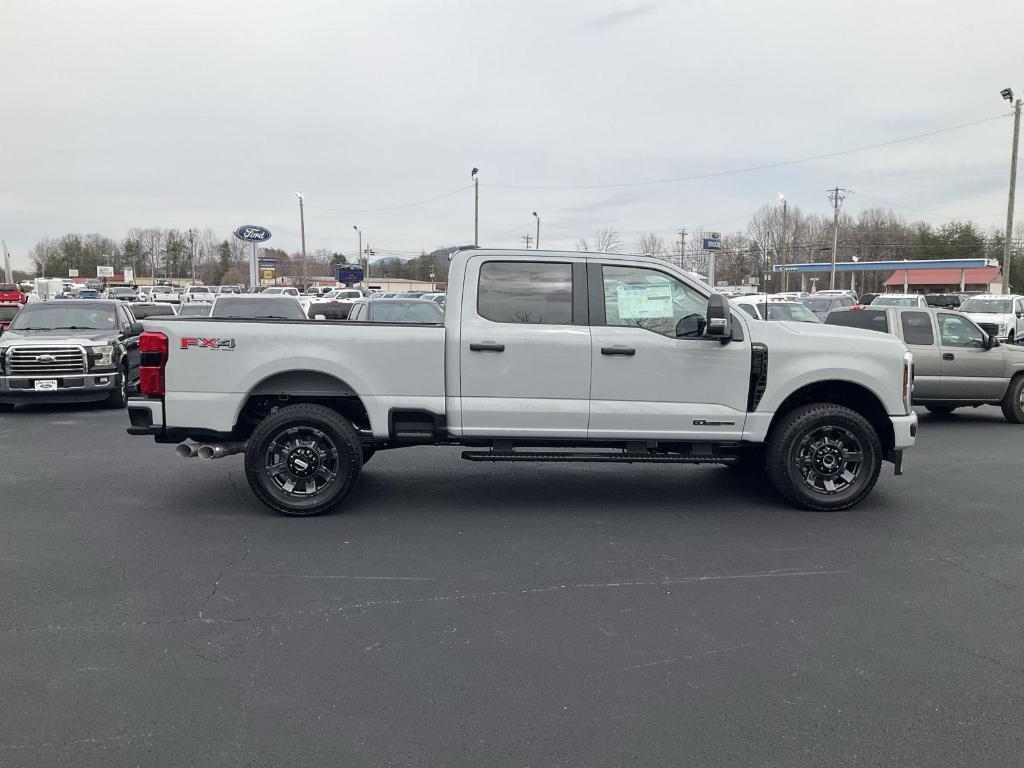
(785, 242)
(536, 242)
(1007, 94)
(476, 205)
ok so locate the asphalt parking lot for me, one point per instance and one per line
(155, 614)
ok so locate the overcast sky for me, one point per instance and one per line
(213, 113)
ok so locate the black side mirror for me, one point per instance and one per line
(1019, 315)
(135, 329)
(719, 318)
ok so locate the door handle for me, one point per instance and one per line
(948, 356)
(626, 351)
(486, 346)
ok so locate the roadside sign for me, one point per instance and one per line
(713, 242)
(252, 233)
(104, 271)
(72, 273)
(129, 274)
(268, 274)
(348, 273)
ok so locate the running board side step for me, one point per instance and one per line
(597, 456)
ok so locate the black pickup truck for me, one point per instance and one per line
(70, 351)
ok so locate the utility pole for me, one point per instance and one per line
(682, 246)
(476, 205)
(360, 252)
(7, 264)
(536, 243)
(1007, 249)
(527, 239)
(836, 195)
(192, 253)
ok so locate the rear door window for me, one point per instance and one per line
(868, 319)
(917, 328)
(525, 292)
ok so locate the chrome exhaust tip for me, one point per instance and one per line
(219, 450)
(187, 450)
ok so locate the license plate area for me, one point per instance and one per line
(45, 385)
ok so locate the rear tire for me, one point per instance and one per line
(823, 457)
(1013, 401)
(303, 460)
(368, 454)
(6, 407)
(941, 410)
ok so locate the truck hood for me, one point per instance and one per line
(819, 335)
(996, 318)
(85, 338)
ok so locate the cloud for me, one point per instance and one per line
(622, 16)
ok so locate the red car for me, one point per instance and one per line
(11, 294)
(7, 313)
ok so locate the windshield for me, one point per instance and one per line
(822, 304)
(987, 306)
(57, 316)
(415, 311)
(269, 308)
(796, 312)
(895, 301)
(9, 287)
(200, 289)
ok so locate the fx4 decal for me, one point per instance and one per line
(222, 344)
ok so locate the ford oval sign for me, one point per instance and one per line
(253, 234)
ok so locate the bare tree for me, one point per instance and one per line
(605, 240)
(653, 245)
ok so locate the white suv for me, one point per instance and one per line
(999, 315)
(899, 300)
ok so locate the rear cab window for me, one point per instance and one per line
(868, 319)
(917, 328)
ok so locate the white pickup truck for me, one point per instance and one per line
(542, 356)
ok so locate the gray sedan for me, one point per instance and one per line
(956, 363)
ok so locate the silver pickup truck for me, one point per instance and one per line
(956, 363)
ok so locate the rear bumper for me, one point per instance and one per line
(146, 416)
(904, 430)
(70, 389)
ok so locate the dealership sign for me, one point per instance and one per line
(252, 234)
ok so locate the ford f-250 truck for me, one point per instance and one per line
(542, 356)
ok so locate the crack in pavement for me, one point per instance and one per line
(220, 575)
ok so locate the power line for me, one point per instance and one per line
(752, 168)
(392, 207)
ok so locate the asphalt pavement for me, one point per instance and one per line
(465, 614)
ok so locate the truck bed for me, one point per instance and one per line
(213, 363)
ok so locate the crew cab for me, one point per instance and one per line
(541, 356)
(957, 362)
(69, 351)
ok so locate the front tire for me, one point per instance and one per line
(823, 457)
(302, 460)
(1013, 401)
(119, 397)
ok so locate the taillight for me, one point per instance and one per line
(153, 351)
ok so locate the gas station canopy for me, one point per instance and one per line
(888, 266)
